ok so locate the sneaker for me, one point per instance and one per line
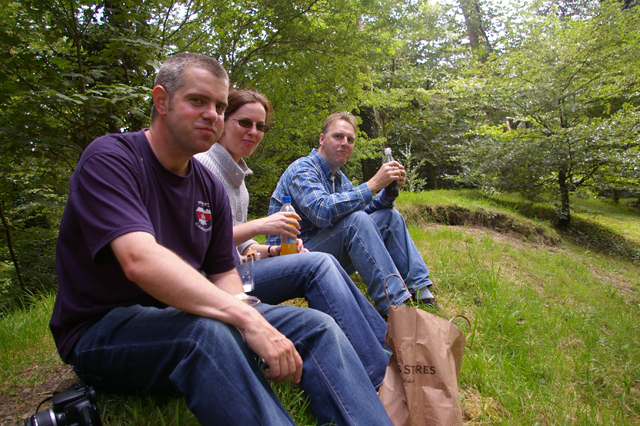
(429, 303)
(424, 298)
(423, 295)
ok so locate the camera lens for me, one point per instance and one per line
(72, 407)
(43, 418)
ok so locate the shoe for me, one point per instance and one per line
(429, 302)
(423, 295)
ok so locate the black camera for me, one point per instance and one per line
(75, 406)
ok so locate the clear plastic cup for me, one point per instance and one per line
(251, 301)
(245, 270)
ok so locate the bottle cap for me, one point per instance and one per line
(387, 151)
(286, 199)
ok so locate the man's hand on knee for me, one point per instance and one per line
(278, 352)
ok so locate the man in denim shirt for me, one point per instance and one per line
(364, 232)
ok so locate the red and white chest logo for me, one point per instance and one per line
(204, 215)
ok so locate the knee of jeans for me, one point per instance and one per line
(319, 320)
(387, 218)
(205, 333)
(317, 264)
(383, 214)
(396, 215)
(360, 218)
(317, 258)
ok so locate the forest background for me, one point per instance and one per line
(538, 97)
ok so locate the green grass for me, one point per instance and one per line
(28, 357)
(608, 214)
(27, 351)
(555, 336)
(555, 326)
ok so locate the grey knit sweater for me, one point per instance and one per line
(232, 175)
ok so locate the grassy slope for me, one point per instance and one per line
(555, 316)
(556, 332)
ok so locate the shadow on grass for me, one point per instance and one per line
(597, 237)
(581, 231)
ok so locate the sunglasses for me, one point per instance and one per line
(247, 124)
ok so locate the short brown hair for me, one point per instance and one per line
(340, 115)
(171, 73)
(237, 98)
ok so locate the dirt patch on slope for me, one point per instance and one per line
(500, 222)
(18, 404)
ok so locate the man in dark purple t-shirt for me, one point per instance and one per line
(149, 300)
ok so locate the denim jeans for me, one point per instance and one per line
(167, 351)
(319, 278)
(376, 245)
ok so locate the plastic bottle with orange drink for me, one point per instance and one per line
(288, 245)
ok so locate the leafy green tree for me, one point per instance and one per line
(79, 69)
(572, 85)
(69, 72)
(476, 23)
(413, 99)
(30, 207)
(309, 57)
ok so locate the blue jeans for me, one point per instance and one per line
(319, 278)
(376, 245)
(167, 351)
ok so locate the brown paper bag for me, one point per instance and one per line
(420, 386)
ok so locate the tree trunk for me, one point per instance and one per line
(616, 196)
(369, 125)
(432, 182)
(14, 258)
(565, 208)
(369, 167)
(475, 30)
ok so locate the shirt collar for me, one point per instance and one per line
(234, 172)
(324, 166)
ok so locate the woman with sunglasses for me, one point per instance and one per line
(316, 276)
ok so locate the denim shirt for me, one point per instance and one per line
(320, 197)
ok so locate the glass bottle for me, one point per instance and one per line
(391, 191)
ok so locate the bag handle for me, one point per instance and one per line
(384, 287)
(468, 322)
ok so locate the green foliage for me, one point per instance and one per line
(566, 82)
(31, 198)
(407, 95)
(69, 72)
(79, 69)
(414, 182)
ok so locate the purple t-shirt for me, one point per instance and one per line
(119, 186)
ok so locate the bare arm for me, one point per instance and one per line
(166, 277)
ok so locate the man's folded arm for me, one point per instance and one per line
(169, 279)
